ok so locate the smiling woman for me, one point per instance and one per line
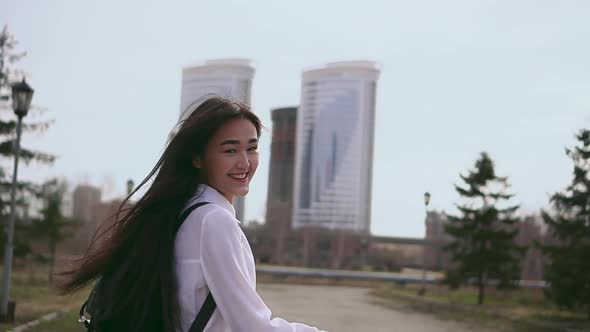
(162, 272)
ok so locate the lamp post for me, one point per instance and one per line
(426, 202)
(22, 94)
(364, 250)
(130, 186)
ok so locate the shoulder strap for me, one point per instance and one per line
(204, 314)
(208, 307)
(186, 213)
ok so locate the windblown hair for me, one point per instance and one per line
(135, 249)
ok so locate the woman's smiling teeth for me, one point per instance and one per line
(239, 176)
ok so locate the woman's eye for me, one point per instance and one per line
(230, 151)
(254, 148)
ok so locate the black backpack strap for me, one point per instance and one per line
(188, 211)
(204, 314)
(83, 319)
(208, 307)
(89, 307)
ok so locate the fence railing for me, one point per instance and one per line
(399, 278)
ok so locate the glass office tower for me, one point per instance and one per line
(334, 149)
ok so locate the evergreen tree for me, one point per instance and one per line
(483, 244)
(8, 75)
(52, 226)
(568, 269)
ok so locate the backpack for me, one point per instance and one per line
(95, 306)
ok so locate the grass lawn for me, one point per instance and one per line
(519, 310)
(35, 297)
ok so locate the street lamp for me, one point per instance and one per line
(364, 250)
(426, 202)
(130, 186)
(22, 94)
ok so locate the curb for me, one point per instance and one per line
(46, 318)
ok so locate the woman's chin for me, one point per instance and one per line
(242, 192)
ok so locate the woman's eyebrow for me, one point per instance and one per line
(237, 142)
(230, 142)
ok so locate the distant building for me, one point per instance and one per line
(396, 252)
(336, 249)
(334, 149)
(229, 78)
(436, 239)
(529, 231)
(279, 203)
(85, 199)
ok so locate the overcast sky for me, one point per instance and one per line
(457, 78)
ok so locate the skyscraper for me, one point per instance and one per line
(230, 78)
(334, 149)
(279, 203)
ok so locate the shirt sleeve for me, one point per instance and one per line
(225, 272)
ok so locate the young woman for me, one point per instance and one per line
(159, 277)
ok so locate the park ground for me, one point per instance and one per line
(341, 305)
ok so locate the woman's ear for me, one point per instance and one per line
(197, 162)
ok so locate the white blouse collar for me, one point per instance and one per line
(205, 193)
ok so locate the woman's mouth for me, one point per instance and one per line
(240, 177)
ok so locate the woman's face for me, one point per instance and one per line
(231, 158)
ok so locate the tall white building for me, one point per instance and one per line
(230, 78)
(334, 149)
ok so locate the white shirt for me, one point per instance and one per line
(212, 253)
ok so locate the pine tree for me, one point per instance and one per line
(568, 269)
(8, 75)
(52, 226)
(483, 235)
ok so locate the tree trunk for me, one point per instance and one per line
(481, 294)
(481, 291)
(51, 261)
(30, 265)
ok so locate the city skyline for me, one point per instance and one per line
(457, 78)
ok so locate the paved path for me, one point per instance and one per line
(346, 309)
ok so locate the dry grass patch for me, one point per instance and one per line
(35, 297)
(516, 310)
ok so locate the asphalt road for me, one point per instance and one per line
(347, 309)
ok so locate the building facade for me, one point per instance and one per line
(279, 202)
(530, 232)
(85, 199)
(229, 78)
(334, 149)
(436, 258)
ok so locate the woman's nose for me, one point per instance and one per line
(243, 161)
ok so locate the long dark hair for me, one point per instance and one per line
(134, 251)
